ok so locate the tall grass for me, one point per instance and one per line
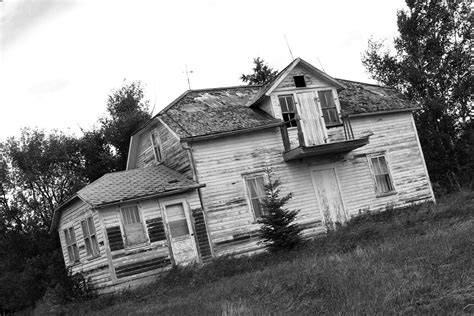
(417, 260)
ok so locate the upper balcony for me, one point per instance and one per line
(310, 138)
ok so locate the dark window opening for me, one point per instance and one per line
(299, 81)
(287, 104)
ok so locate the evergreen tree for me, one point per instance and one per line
(278, 230)
(262, 73)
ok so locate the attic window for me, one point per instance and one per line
(299, 81)
(287, 104)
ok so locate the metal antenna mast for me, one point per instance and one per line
(291, 54)
(187, 76)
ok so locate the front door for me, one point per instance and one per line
(180, 233)
(329, 196)
(312, 123)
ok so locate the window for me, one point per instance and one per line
(328, 107)
(71, 245)
(255, 193)
(177, 220)
(383, 180)
(287, 104)
(132, 224)
(299, 81)
(90, 238)
(156, 143)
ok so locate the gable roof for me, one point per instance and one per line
(273, 84)
(206, 113)
(215, 111)
(123, 186)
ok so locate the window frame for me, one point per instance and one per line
(246, 178)
(291, 115)
(71, 245)
(156, 146)
(299, 81)
(172, 201)
(390, 183)
(90, 239)
(124, 224)
(335, 107)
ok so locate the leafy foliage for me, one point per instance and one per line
(431, 66)
(262, 73)
(105, 149)
(278, 232)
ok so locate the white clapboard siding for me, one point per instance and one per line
(96, 268)
(174, 156)
(222, 162)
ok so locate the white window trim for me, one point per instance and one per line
(245, 177)
(372, 173)
(158, 144)
(92, 254)
(124, 232)
(78, 259)
(187, 214)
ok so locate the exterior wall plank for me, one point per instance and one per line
(222, 162)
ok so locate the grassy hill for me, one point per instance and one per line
(416, 260)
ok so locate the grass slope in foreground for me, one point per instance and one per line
(417, 260)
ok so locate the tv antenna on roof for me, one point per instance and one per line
(288, 45)
(187, 76)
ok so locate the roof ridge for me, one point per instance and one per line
(366, 83)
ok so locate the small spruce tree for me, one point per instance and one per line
(278, 230)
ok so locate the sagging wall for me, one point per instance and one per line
(153, 256)
(174, 156)
(221, 164)
(94, 267)
(118, 265)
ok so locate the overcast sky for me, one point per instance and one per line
(60, 59)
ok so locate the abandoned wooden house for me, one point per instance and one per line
(194, 176)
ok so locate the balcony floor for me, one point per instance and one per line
(326, 149)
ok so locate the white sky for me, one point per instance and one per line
(60, 59)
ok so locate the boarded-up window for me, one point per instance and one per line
(90, 236)
(156, 143)
(328, 107)
(287, 104)
(383, 180)
(132, 224)
(255, 193)
(71, 245)
(177, 220)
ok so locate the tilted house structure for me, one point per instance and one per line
(195, 173)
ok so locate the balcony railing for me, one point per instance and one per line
(340, 140)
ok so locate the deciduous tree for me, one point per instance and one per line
(430, 65)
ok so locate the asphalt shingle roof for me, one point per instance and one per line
(359, 98)
(135, 183)
(213, 111)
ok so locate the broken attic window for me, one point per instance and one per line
(299, 81)
(287, 104)
(328, 107)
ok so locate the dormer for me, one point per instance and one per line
(306, 100)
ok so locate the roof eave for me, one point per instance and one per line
(149, 196)
(57, 211)
(411, 109)
(230, 133)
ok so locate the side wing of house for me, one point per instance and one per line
(155, 144)
(83, 243)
